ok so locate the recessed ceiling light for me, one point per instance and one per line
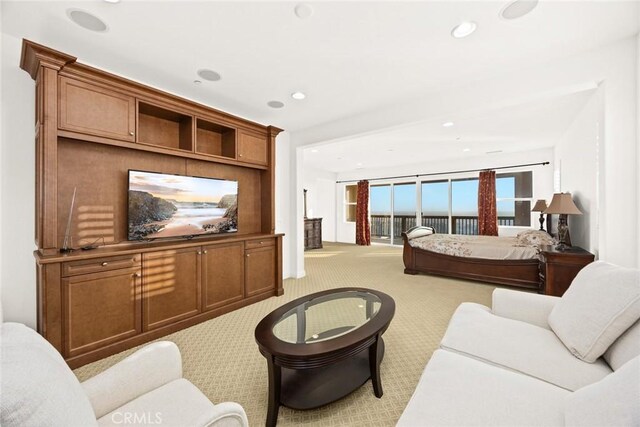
(464, 29)
(314, 151)
(518, 8)
(197, 82)
(358, 164)
(210, 75)
(447, 124)
(87, 20)
(303, 11)
(458, 138)
(298, 95)
(466, 150)
(112, 1)
(275, 104)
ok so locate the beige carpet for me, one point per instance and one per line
(221, 357)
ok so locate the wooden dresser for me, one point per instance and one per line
(559, 268)
(312, 233)
(91, 128)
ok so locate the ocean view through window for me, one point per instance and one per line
(447, 205)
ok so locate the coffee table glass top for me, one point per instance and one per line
(327, 317)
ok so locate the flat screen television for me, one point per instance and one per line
(163, 205)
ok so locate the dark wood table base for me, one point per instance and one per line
(315, 387)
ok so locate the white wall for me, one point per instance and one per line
(283, 201)
(321, 199)
(578, 157)
(17, 176)
(542, 180)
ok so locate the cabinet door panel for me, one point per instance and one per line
(97, 111)
(222, 275)
(260, 270)
(252, 148)
(170, 286)
(100, 308)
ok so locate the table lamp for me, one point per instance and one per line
(562, 205)
(540, 206)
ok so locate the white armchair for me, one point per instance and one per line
(146, 388)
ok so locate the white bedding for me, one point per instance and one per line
(488, 247)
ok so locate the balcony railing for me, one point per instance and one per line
(381, 224)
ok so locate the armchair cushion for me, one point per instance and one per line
(459, 391)
(602, 302)
(37, 387)
(178, 403)
(145, 370)
(476, 332)
(625, 348)
(614, 401)
(523, 306)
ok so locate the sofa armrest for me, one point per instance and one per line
(145, 370)
(523, 306)
(225, 414)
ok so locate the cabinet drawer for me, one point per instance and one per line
(75, 268)
(252, 244)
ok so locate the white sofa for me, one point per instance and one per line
(37, 388)
(505, 366)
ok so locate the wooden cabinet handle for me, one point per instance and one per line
(199, 252)
(248, 255)
(131, 133)
(136, 274)
(240, 155)
(104, 264)
(204, 252)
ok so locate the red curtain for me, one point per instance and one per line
(363, 233)
(487, 211)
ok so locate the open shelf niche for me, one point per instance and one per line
(164, 128)
(215, 139)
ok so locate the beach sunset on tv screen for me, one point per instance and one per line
(162, 205)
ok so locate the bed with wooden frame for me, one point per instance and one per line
(523, 273)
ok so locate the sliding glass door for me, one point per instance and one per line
(380, 201)
(404, 209)
(435, 205)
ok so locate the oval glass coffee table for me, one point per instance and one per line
(323, 346)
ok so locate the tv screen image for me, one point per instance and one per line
(164, 205)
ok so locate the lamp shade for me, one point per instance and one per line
(540, 206)
(562, 204)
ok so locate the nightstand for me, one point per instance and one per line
(558, 268)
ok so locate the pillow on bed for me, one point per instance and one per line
(535, 238)
(419, 231)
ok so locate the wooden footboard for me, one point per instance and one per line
(520, 273)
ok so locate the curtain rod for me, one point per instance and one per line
(445, 173)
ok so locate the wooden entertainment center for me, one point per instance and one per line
(91, 128)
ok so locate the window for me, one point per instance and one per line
(513, 194)
(350, 202)
(464, 206)
(435, 205)
(380, 201)
(404, 209)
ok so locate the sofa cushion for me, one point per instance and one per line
(624, 348)
(455, 390)
(614, 401)
(602, 302)
(38, 388)
(476, 332)
(178, 403)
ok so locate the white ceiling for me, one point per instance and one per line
(524, 127)
(348, 57)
